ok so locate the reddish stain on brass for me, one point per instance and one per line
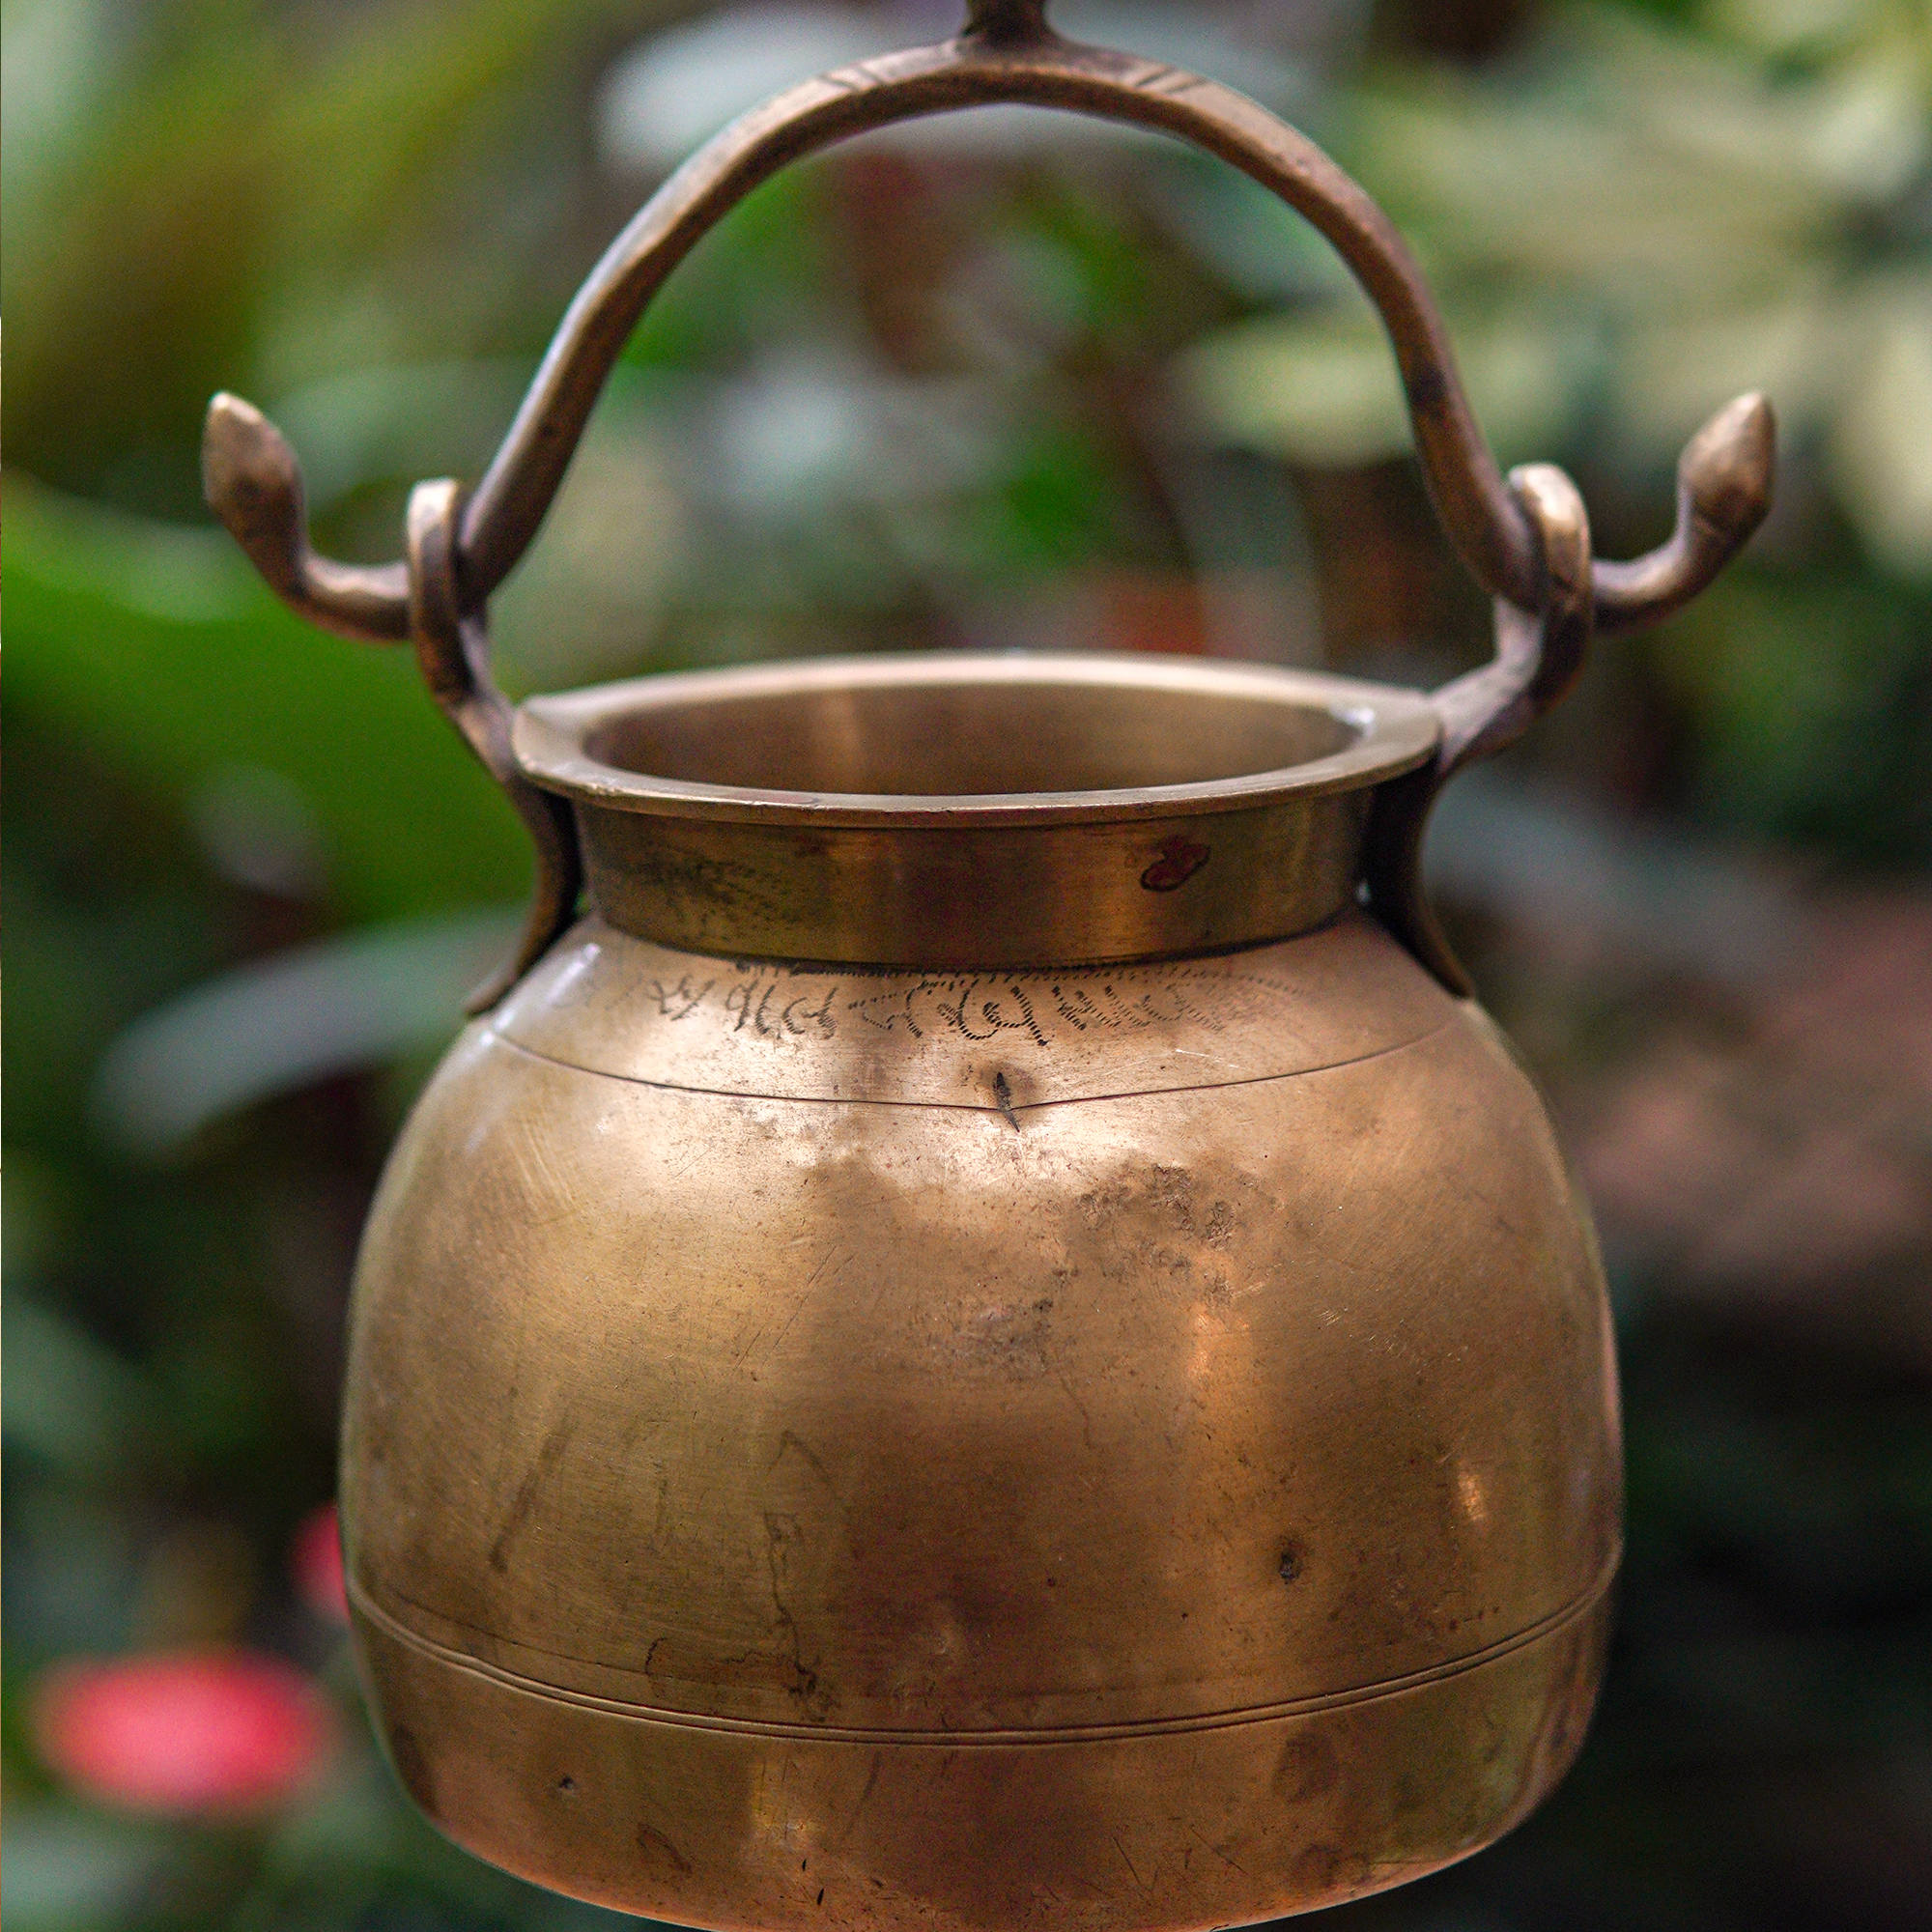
(1178, 862)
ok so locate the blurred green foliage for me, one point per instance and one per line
(999, 392)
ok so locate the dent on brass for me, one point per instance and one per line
(978, 1333)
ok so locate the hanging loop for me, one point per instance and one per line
(453, 646)
(1540, 655)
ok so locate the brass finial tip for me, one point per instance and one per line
(246, 465)
(1730, 467)
(1008, 20)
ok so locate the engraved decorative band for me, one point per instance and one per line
(1571, 1612)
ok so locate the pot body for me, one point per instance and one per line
(1118, 1446)
(950, 1437)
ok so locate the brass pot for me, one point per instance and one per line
(990, 1337)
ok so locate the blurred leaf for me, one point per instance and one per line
(1651, 170)
(156, 644)
(1244, 231)
(66, 1872)
(261, 189)
(1671, 369)
(1555, 863)
(72, 1561)
(589, 601)
(399, 423)
(1785, 26)
(1813, 699)
(39, 1219)
(768, 269)
(1882, 442)
(71, 1402)
(1872, 133)
(1660, 220)
(1323, 388)
(673, 90)
(280, 1024)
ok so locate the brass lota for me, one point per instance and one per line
(990, 1338)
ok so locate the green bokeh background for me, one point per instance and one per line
(1020, 388)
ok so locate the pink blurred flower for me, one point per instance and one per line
(210, 1733)
(315, 1563)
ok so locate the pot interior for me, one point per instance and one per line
(964, 739)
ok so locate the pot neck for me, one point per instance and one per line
(848, 810)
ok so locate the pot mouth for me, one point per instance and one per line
(962, 738)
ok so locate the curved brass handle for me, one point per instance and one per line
(453, 654)
(1539, 656)
(1007, 53)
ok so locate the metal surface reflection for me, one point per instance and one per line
(987, 1338)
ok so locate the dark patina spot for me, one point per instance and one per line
(1178, 862)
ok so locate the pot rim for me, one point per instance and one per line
(1396, 731)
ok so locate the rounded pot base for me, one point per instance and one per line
(1204, 1822)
